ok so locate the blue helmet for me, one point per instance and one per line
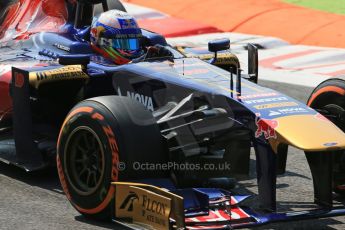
(116, 34)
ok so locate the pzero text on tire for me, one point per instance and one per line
(97, 137)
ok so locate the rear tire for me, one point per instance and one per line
(99, 138)
(329, 99)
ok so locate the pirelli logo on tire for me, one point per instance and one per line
(147, 205)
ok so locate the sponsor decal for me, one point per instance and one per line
(127, 23)
(330, 144)
(287, 111)
(258, 95)
(128, 202)
(18, 80)
(62, 47)
(142, 206)
(145, 100)
(273, 113)
(60, 73)
(153, 205)
(226, 60)
(63, 73)
(95, 32)
(275, 105)
(266, 127)
(264, 100)
(62, 178)
(292, 110)
(114, 151)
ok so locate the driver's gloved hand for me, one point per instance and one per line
(158, 51)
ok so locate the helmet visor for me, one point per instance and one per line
(126, 43)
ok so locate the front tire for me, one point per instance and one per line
(329, 99)
(99, 142)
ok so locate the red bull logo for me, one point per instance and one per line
(95, 32)
(128, 24)
(266, 127)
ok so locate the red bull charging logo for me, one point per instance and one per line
(266, 127)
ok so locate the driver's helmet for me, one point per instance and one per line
(115, 34)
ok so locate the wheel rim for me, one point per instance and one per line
(84, 160)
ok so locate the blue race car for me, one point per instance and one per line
(157, 141)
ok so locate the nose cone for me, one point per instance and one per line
(310, 133)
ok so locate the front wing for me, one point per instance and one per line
(143, 206)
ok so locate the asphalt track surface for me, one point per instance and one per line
(36, 201)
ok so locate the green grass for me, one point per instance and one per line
(333, 6)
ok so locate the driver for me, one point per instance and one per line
(116, 36)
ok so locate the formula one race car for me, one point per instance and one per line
(133, 142)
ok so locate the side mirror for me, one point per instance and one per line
(219, 45)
